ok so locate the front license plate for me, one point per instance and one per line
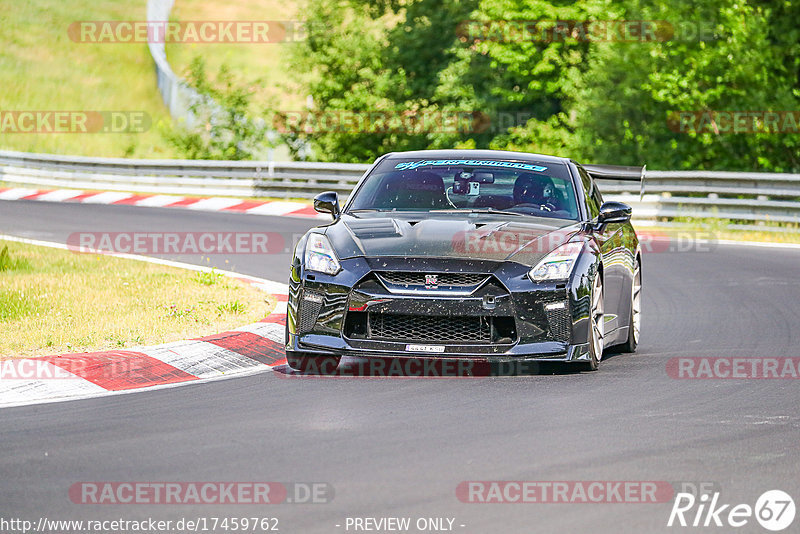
(425, 348)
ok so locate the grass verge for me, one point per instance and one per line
(42, 69)
(54, 301)
(264, 64)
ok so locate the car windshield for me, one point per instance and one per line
(543, 189)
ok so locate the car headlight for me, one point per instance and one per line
(320, 256)
(558, 264)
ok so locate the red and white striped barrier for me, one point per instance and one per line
(247, 350)
(235, 205)
(251, 349)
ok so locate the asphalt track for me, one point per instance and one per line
(399, 447)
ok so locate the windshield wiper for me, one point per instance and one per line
(359, 210)
(493, 211)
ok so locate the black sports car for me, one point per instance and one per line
(468, 254)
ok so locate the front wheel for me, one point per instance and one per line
(636, 312)
(312, 364)
(596, 325)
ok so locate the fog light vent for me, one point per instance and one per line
(310, 305)
(559, 319)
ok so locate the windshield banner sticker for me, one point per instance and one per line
(470, 162)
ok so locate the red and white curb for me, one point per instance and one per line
(224, 204)
(251, 349)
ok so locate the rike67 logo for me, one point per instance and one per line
(774, 510)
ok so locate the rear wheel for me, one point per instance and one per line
(312, 364)
(596, 324)
(636, 312)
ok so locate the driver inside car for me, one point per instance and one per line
(536, 191)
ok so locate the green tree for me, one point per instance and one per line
(625, 102)
(607, 102)
(223, 128)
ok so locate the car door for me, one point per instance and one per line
(611, 238)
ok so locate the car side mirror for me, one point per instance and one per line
(328, 202)
(614, 212)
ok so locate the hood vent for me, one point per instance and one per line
(374, 228)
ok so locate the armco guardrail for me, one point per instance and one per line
(739, 196)
(187, 177)
(177, 95)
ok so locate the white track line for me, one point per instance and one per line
(793, 246)
(261, 283)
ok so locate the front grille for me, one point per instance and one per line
(440, 329)
(392, 326)
(443, 279)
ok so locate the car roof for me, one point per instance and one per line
(473, 154)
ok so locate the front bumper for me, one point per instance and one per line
(519, 320)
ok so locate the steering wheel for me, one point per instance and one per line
(547, 206)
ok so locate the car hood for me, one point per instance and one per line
(483, 236)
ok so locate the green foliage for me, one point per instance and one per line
(341, 61)
(223, 129)
(233, 307)
(624, 103)
(605, 102)
(9, 263)
(5, 259)
(208, 278)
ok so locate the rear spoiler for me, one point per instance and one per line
(618, 172)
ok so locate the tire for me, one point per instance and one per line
(596, 324)
(635, 322)
(312, 364)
